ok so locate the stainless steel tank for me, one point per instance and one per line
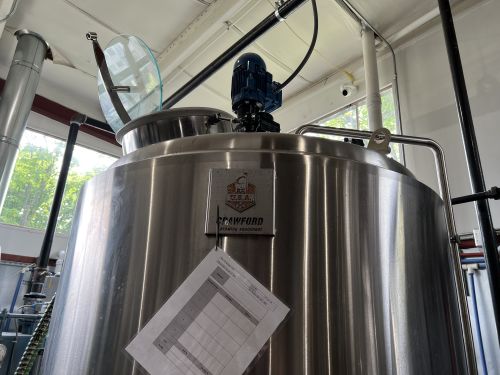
(171, 124)
(358, 251)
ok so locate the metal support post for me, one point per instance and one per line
(473, 160)
(40, 271)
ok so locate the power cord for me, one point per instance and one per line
(309, 51)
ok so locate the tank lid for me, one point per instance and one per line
(173, 123)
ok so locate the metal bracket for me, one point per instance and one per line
(380, 140)
(120, 88)
(92, 36)
(493, 193)
(106, 77)
(78, 118)
(278, 15)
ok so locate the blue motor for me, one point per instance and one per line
(254, 95)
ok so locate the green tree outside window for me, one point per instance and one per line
(356, 117)
(33, 183)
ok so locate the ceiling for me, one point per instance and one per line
(187, 35)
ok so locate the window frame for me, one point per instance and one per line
(53, 128)
(356, 103)
(58, 132)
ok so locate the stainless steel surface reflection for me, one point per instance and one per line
(360, 255)
(171, 124)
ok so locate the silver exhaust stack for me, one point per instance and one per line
(17, 99)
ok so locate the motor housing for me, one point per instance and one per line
(254, 95)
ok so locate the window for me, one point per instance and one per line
(355, 116)
(33, 183)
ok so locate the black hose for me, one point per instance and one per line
(266, 24)
(309, 51)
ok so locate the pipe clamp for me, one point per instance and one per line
(8, 140)
(27, 64)
(278, 15)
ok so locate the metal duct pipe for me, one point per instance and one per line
(17, 99)
(373, 100)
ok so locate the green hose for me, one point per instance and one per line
(30, 354)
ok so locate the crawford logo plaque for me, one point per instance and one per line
(241, 194)
(245, 198)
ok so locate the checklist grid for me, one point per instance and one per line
(210, 329)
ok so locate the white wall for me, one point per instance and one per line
(429, 105)
(427, 101)
(27, 242)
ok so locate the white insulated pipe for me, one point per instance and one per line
(373, 100)
(17, 98)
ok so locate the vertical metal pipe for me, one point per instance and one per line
(38, 276)
(373, 100)
(357, 16)
(17, 99)
(473, 160)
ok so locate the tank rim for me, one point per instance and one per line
(166, 115)
(264, 142)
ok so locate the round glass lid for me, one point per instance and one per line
(135, 77)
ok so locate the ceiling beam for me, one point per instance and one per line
(211, 21)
